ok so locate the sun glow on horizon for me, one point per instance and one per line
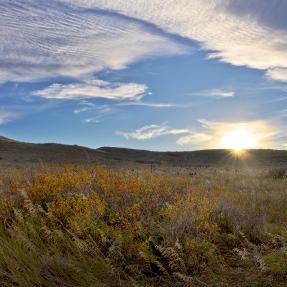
(240, 139)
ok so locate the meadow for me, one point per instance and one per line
(93, 226)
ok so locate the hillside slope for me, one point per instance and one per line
(18, 154)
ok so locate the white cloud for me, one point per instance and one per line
(148, 104)
(152, 131)
(192, 138)
(82, 110)
(45, 39)
(6, 117)
(216, 93)
(91, 120)
(93, 89)
(248, 33)
(278, 74)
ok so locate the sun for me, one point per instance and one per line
(239, 140)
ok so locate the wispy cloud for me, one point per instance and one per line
(61, 40)
(94, 89)
(148, 104)
(6, 117)
(199, 138)
(278, 74)
(215, 93)
(82, 110)
(94, 120)
(94, 113)
(151, 131)
(85, 106)
(242, 33)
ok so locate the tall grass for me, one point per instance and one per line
(97, 227)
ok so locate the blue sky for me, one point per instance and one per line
(160, 75)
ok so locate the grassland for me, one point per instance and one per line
(92, 226)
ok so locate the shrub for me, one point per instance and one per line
(91, 226)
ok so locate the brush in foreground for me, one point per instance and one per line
(96, 227)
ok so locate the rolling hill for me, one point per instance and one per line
(19, 154)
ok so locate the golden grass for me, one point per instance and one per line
(92, 226)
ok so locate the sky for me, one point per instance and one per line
(153, 74)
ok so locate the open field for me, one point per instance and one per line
(92, 226)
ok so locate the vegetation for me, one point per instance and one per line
(97, 227)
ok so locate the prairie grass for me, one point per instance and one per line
(92, 226)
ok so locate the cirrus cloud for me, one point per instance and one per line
(151, 131)
(242, 33)
(46, 39)
(6, 116)
(215, 93)
(93, 89)
(278, 74)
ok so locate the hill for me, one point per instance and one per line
(18, 154)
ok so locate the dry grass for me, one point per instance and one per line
(96, 227)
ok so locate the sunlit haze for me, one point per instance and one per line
(240, 139)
